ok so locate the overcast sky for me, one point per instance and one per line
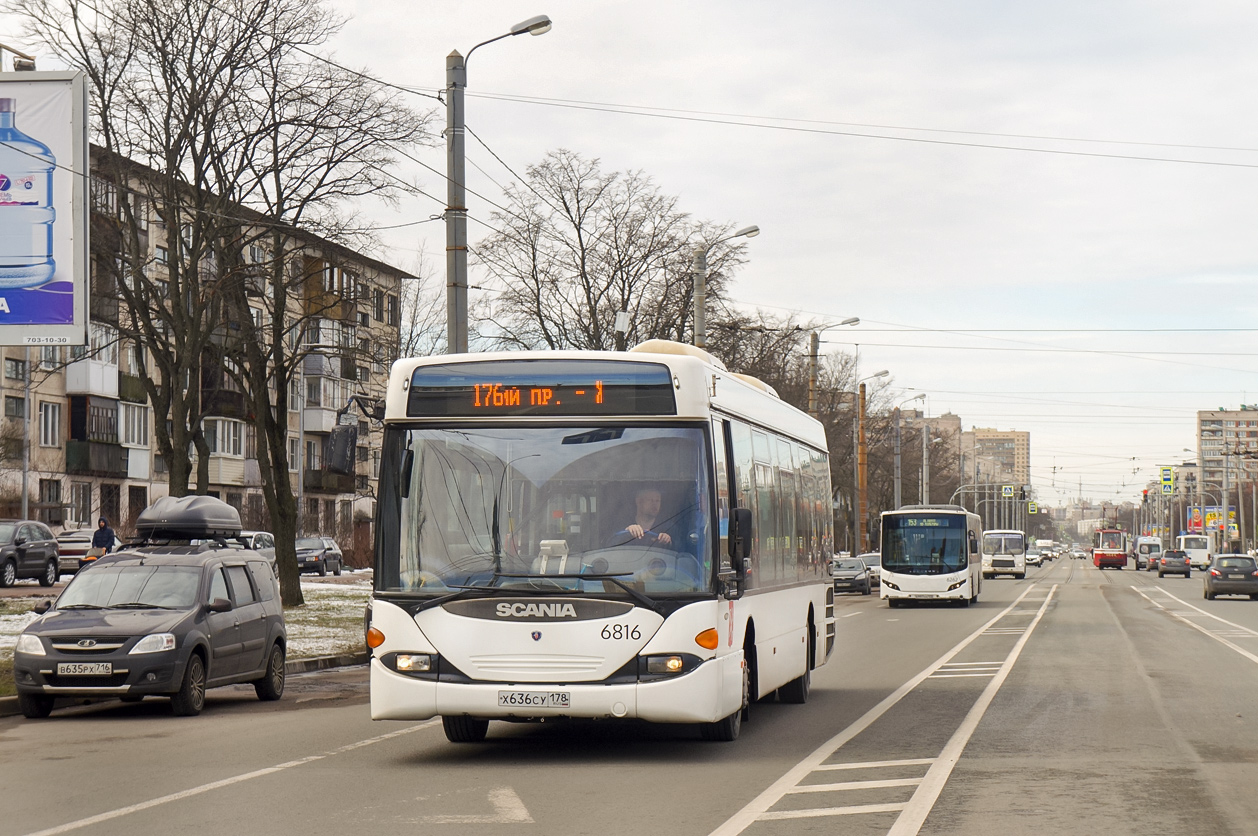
(1019, 289)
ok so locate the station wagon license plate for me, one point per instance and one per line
(85, 668)
(534, 699)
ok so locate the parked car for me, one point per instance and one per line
(1175, 562)
(1232, 574)
(319, 554)
(162, 617)
(27, 550)
(262, 542)
(73, 544)
(850, 574)
(874, 561)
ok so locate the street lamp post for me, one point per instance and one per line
(699, 275)
(814, 345)
(896, 417)
(862, 462)
(456, 192)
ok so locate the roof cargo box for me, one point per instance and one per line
(188, 518)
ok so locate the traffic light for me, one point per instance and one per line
(1145, 500)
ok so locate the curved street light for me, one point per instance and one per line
(699, 273)
(456, 192)
(814, 348)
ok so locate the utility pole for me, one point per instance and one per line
(896, 417)
(814, 344)
(925, 459)
(26, 436)
(456, 207)
(862, 462)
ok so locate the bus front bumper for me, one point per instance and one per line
(711, 691)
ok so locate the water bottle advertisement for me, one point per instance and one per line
(43, 219)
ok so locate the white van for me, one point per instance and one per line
(1004, 553)
(1147, 548)
(1198, 547)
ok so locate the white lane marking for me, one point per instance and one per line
(973, 664)
(1207, 631)
(910, 822)
(877, 764)
(856, 785)
(758, 807)
(226, 782)
(832, 811)
(849, 615)
(508, 809)
(959, 675)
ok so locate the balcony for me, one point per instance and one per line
(131, 388)
(319, 420)
(225, 404)
(92, 377)
(328, 482)
(96, 458)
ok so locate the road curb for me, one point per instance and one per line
(9, 707)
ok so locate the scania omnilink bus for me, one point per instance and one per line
(635, 534)
(931, 553)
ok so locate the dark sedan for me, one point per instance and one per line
(850, 574)
(1232, 574)
(27, 550)
(1175, 562)
(319, 554)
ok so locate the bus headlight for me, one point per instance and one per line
(957, 585)
(413, 662)
(666, 665)
(889, 585)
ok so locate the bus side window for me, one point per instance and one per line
(720, 429)
(742, 492)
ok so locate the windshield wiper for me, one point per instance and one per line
(81, 607)
(138, 605)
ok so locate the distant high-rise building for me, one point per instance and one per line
(996, 456)
(1227, 436)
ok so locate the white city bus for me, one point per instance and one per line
(581, 534)
(931, 552)
(1004, 553)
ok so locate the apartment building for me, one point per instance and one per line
(991, 456)
(91, 426)
(1228, 437)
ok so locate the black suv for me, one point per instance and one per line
(27, 550)
(161, 617)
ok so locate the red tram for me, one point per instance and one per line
(1109, 549)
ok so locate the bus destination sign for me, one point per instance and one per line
(539, 388)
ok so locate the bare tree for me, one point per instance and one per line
(246, 146)
(576, 245)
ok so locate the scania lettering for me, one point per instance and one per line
(637, 534)
(931, 553)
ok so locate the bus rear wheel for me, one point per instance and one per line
(464, 729)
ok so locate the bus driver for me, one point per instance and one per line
(647, 501)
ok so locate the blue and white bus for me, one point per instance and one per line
(580, 534)
(931, 553)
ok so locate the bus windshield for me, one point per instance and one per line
(931, 544)
(1003, 544)
(538, 507)
(1193, 543)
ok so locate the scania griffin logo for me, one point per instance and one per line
(86, 642)
(506, 610)
(537, 635)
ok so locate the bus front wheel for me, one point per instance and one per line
(462, 729)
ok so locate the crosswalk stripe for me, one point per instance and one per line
(855, 785)
(877, 764)
(779, 815)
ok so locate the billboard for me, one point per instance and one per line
(1213, 517)
(44, 180)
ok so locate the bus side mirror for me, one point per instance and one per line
(973, 545)
(740, 539)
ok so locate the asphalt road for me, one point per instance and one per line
(1074, 701)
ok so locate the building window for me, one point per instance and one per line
(14, 369)
(251, 442)
(362, 374)
(362, 453)
(294, 394)
(314, 457)
(81, 502)
(377, 302)
(314, 391)
(14, 407)
(225, 437)
(49, 424)
(292, 455)
(49, 356)
(375, 464)
(135, 425)
(393, 317)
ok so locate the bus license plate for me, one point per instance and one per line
(534, 699)
(85, 668)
